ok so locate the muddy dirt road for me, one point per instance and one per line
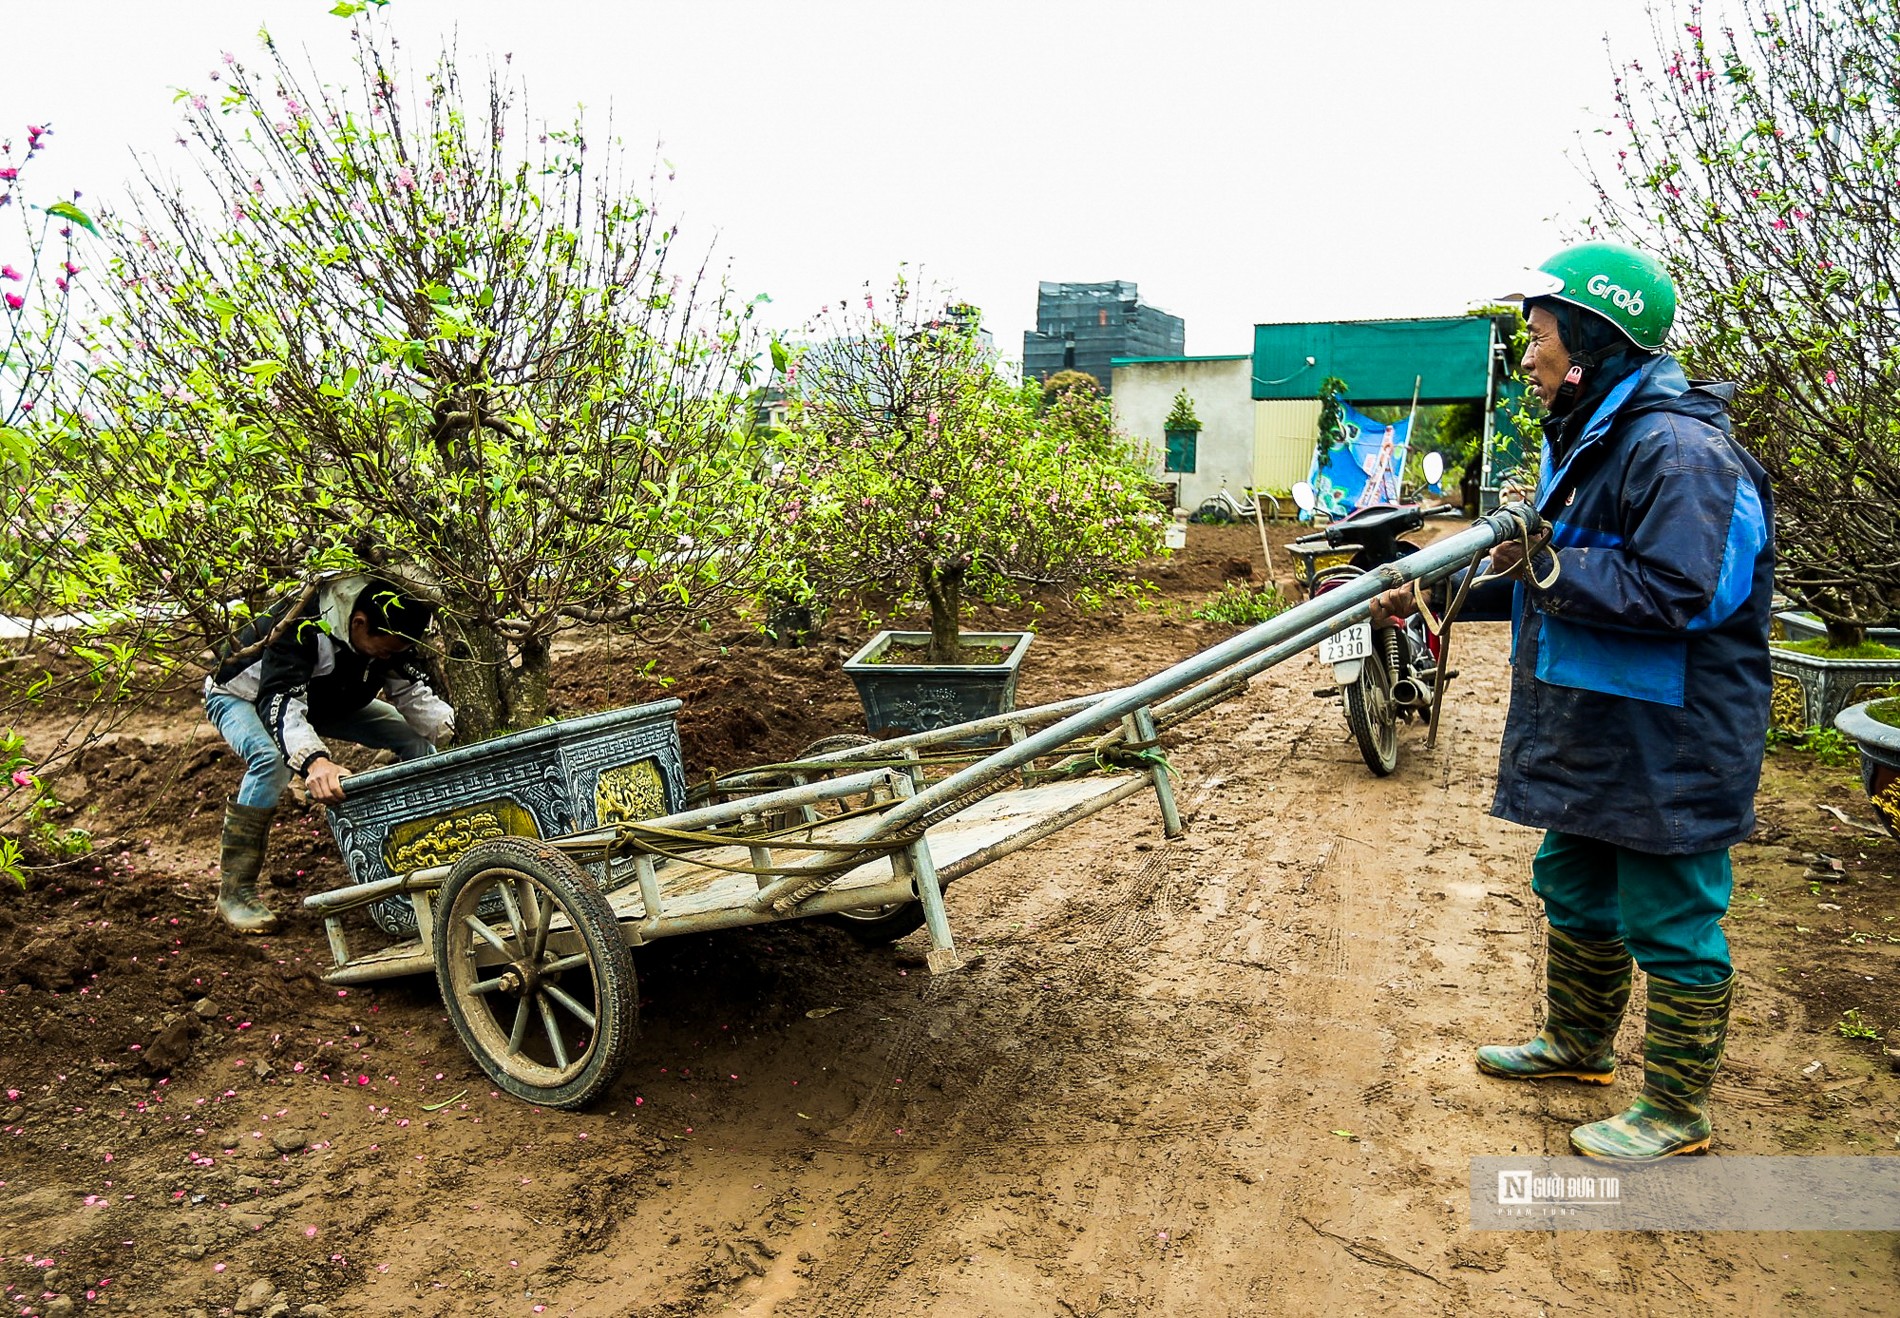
(1225, 1074)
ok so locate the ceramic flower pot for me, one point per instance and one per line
(1808, 691)
(1790, 625)
(908, 697)
(1879, 744)
(563, 777)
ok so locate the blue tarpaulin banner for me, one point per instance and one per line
(1364, 468)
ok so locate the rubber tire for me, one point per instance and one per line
(1378, 737)
(616, 997)
(881, 924)
(874, 930)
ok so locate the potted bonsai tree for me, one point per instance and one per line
(1183, 431)
(922, 470)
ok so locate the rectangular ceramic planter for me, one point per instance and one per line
(902, 698)
(1809, 690)
(1806, 627)
(563, 777)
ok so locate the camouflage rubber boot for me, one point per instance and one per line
(1586, 987)
(246, 829)
(1688, 1024)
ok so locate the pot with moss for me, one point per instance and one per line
(1874, 726)
(904, 692)
(1794, 625)
(1813, 681)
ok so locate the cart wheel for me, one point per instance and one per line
(1372, 716)
(875, 926)
(871, 925)
(551, 1019)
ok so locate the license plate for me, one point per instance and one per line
(1355, 642)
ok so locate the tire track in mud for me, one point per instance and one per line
(1128, 917)
(1338, 1043)
(1109, 934)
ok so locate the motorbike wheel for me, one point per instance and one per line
(1373, 717)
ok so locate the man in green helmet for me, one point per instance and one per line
(1639, 692)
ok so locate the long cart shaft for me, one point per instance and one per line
(1242, 656)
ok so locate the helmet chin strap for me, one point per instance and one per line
(1567, 392)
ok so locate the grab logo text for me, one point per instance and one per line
(1628, 299)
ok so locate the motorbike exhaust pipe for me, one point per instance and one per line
(1410, 694)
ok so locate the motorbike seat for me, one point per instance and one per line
(1376, 528)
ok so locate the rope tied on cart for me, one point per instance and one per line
(686, 845)
(1142, 756)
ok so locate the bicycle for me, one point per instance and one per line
(1224, 507)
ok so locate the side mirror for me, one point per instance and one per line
(1434, 466)
(1304, 497)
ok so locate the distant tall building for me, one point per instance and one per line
(1083, 327)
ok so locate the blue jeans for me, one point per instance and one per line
(1668, 909)
(266, 773)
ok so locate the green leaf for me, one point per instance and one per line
(344, 9)
(779, 356)
(16, 446)
(67, 211)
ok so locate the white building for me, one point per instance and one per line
(1242, 444)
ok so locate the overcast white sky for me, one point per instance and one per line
(1247, 161)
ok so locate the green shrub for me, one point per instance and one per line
(1828, 746)
(1241, 605)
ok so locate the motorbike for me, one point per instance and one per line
(1384, 674)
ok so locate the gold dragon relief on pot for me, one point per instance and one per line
(441, 839)
(1886, 802)
(1787, 705)
(629, 792)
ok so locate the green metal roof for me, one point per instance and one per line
(1449, 356)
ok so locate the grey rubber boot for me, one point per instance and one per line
(246, 829)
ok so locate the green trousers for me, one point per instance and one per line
(1668, 909)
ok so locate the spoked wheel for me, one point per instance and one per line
(542, 996)
(1372, 716)
(871, 925)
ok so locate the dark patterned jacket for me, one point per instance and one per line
(311, 677)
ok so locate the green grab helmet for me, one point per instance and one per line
(1628, 288)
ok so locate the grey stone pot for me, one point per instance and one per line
(902, 698)
(1809, 690)
(1879, 745)
(563, 777)
(1806, 627)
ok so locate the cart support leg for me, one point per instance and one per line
(1140, 727)
(339, 941)
(943, 952)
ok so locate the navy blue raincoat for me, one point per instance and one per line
(1639, 678)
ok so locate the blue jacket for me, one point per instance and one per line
(1639, 679)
